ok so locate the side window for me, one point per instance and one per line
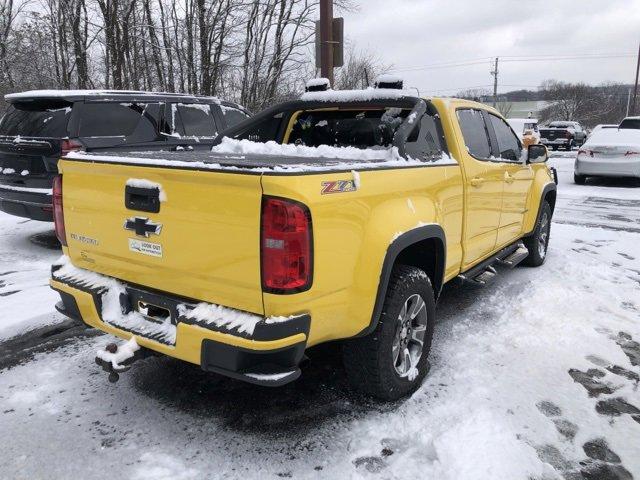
(193, 120)
(474, 132)
(508, 143)
(232, 116)
(138, 122)
(423, 142)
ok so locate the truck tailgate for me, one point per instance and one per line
(203, 243)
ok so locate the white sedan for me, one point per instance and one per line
(609, 153)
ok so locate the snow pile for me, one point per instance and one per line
(365, 95)
(144, 183)
(228, 318)
(46, 191)
(318, 82)
(125, 351)
(110, 292)
(97, 93)
(269, 377)
(388, 78)
(247, 147)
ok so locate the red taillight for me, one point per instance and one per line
(585, 152)
(69, 146)
(287, 261)
(58, 213)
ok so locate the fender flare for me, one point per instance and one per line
(549, 187)
(425, 232)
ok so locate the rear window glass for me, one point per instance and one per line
(350, 128)
(136, 121)
(423, 142)
(193, 120)
(36, 119)
(561, 125)
(232, 116)
(474, 133)
(633, 123)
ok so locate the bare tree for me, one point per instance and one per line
(359, 71)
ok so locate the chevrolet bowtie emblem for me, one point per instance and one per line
(142, 226)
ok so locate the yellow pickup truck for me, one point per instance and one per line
(338, 216)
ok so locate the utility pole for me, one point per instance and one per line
(326, 39)
(628, 102)
(494, 72)
(635, 88)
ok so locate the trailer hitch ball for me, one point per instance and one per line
(113, 377)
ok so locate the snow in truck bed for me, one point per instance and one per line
(244, 155)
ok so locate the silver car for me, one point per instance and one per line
(609, 153)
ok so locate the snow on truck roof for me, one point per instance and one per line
(365, 95)
(72, 94)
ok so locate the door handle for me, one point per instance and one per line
(508, 178)
(477, 181)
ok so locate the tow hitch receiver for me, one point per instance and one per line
(115, 359)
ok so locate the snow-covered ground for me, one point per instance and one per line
(533, 377)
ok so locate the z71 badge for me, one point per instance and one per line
(338, 186)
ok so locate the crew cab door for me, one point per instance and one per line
(483, 187)
(517, 177)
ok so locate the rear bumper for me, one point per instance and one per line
(611, 167)
(269, 356)
(22, 202)
(555, 141)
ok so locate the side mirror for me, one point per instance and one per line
(537, 153)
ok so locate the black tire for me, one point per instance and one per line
(538, 242)
(579, 179)
(369, 361)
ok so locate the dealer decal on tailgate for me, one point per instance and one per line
(145, 248)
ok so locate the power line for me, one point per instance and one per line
(532, 58)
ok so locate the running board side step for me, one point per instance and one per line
(484, 272)
(516, 257)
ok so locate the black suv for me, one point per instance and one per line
(41, 126)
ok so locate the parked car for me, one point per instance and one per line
(526, 129)
(563, 134)
(602, 126)
(241, 259)
(630, 123)
(41, 126)
(609, 153)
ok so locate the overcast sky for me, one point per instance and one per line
(412, 34)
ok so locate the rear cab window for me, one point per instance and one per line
(38, 118)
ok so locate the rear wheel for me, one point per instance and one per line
(538, 242)
(391, 362)
(579, 179)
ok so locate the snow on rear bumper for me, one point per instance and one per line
(268, 354)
